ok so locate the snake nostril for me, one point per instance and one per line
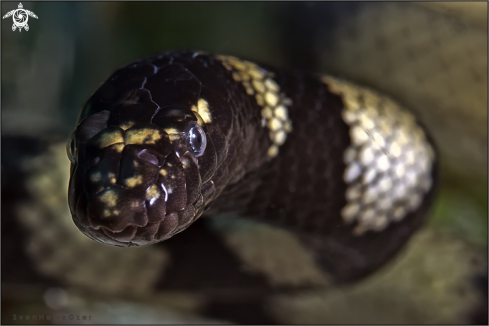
(150, 158)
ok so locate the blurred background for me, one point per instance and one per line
(431, 57)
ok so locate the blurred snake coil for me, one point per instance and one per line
(346, 170)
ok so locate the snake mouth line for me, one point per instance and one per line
(140, 232)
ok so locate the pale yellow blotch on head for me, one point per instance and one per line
(134, 181)
(203, 110)
(185, 162)
(173, 134)
(142, 136)
(106, 139)
(126, 125)
(96, 177)
(163, 172)
(111, 212)
(118, 147)
(112, 178)
(152, 192)
(109, 198)
(172, 131)
(200, 121)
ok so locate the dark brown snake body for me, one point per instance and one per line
(184, 134)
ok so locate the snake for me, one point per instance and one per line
(181, 135)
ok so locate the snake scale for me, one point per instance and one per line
(173, 137)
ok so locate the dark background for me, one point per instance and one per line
(430, 57)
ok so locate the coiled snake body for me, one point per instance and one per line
(171, 137)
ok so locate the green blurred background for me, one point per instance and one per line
(432, 57)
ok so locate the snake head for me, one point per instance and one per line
(135, 185)
(142, 153)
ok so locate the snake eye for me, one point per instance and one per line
(196, 139)
(71, 149)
